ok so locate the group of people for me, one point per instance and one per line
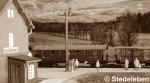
(136, 64)
(73, 65)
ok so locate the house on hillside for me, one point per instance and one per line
(15, 27)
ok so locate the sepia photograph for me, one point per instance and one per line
(74, 41)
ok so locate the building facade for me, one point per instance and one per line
(14, 26)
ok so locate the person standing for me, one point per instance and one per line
(73, 64)
(70, 65)
(97, 65)
(126, 65)
(136, 63)
(76, 64)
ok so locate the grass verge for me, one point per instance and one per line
(98, 77)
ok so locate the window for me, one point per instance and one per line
(31, 71)
(43, 54)
(51, 52)
(10, 13)
(85, 52)
(95, 52)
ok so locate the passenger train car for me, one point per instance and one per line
(142, 53)
(52, 55)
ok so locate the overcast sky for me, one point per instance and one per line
(82, 10)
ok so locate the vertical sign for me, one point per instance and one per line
(11, 39)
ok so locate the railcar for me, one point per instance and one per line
(53, 55)
(142, 53)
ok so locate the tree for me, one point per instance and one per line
(99, 35)
(128, 30)
(111, 36)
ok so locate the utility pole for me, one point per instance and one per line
(67, 12)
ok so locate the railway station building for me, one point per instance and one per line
(15, 27)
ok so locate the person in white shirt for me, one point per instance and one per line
(136, 63)
(76, 64)
(97, 64)
(126, 65)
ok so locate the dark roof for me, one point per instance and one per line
(138, 47)
(2, 4)
(24, 58)
(72, 47)
(20, 10)
(126, 47)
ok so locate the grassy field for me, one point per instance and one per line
(45, 39)
(100, 77)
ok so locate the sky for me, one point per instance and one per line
(82, 10)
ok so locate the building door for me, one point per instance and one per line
(17, 74)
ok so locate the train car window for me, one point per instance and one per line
(51, 52)
(85, 52)
(43, 52)
(95, 52)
